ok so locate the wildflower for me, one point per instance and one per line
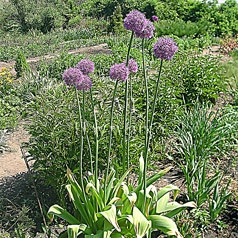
(135, 21)
(1, 82)
(4, 68)
(119, 72)
(165, 48)
(85, 84)
(132, 65)
(86, 66)
(147, 31)
(72, 76)
(19, 81)
(155, 18)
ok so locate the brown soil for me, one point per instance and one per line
(11, 162)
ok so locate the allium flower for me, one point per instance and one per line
(72, 76)
(119, 72)
(86, 66)
(147, 31)
(132, 65)
(135, 21)
(155, 18)
(165, 48)
(85, 84)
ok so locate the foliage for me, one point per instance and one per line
(117, 21)
(216, 203)
(234, 90)
(41, 15)
(10, 100)
(196, 77)
(228, 45)
(21, 65)
(181, 28)
(34, 43)
(118, 209)
(201, 134)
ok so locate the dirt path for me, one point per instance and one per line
(98, 49)
(11, 162)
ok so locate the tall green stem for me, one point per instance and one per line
(146, 116)
(96, 139)
(82, 131)
(129, 127)
(125, 109)
(81, 140)
(110, 139)
(150, 129)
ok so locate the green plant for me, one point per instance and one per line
(234, 90)
(21, 65)
(229, 45)
(216, 202)
(10, 100)
(201, 134)
(196, 77)
(122, 211)
(117, 21)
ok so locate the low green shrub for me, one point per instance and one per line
(10, 100)
(196, 77)
(181, 28)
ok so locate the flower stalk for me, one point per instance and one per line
(110, 138)
(125, 111)
(149, 128)
(96, 139)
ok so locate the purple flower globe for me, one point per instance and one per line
(147, 31)
(135, 21)
(155, 18)
(86, 66)
(119, 72)
(165, 48)
(72, 76)
(132, 65)
(85, 84)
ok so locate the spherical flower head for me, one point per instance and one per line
(165, 48)
(135, 21)
(155, 18)
(132, 66)
(86, 66)
(72, 76)
(119, 72)
(147, 31)
(85, 84)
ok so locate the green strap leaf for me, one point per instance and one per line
(141, 224)
(164, 224)
(174, 208)
(75, 230)
(111, 216)
(152, 179)
(162, 203)
(62, 213)
(166, 189)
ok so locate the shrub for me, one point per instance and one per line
(196, 77)
(181, 28)
(21, 65)
(10, 100)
